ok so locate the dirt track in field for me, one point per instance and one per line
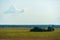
(28, 38)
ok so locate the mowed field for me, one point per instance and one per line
(24, 34)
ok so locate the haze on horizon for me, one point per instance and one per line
(30, 12)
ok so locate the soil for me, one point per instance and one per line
(28, 38)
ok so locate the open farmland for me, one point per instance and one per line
(24, 34)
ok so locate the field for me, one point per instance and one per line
(24, 34)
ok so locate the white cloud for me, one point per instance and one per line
(34, 12)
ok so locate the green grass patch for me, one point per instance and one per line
(25, 32)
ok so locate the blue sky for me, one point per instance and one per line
(35, 12)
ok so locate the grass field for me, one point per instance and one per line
(24, 34)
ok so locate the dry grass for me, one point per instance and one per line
(24, 34)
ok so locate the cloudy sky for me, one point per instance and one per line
(30, 12)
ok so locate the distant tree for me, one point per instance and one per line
(52, 25)
(50, 29)
(36, 28)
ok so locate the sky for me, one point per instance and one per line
(27, 12)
